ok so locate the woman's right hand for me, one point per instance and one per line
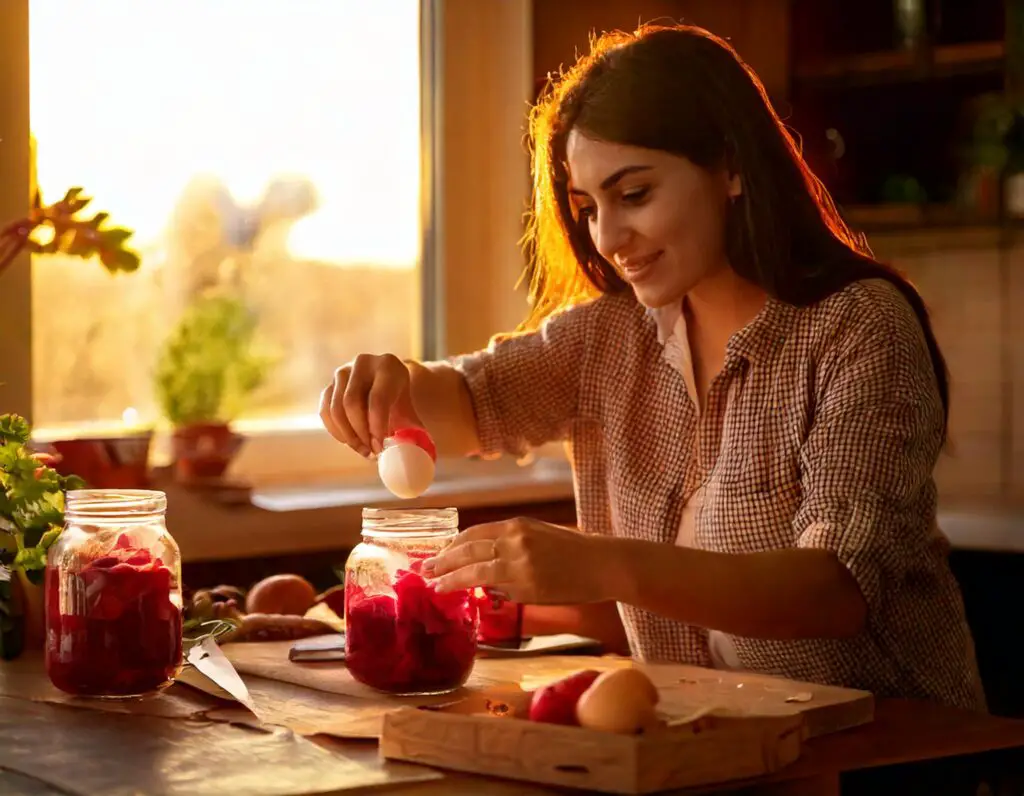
(369, 398)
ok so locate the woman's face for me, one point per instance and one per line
(658, 218)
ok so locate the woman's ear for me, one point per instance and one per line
(735, 186)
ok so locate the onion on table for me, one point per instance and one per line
(278, 608)
(281, 594)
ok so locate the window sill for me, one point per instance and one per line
(285, 520)
(988, 529)
(479, 484)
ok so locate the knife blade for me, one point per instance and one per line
(208, 658)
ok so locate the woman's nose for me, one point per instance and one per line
(611, 235)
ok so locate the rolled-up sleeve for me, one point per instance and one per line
(525, 388)
(868, 460)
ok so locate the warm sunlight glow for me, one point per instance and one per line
(266, 149)
(213, 86)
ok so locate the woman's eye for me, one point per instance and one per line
(585, 213)
(635, 195)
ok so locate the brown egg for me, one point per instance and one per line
(641, 681)
(292, 595)
(621, 700)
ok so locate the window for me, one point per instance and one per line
(274, 152)
(480, 57)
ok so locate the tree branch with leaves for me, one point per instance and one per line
(72, 235)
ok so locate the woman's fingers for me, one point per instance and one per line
(334, 414)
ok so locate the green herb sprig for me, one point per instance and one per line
(31, 500)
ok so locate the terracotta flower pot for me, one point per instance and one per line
(120, 462)
(31, 599)
(204, 450)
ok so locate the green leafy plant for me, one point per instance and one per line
(31, 500)
(209, 364)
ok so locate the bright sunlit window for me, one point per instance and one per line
(272, 148)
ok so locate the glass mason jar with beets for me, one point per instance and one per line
(401, 635)
(113, 596)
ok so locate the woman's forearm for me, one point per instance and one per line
(599, 621)
(442, 400)
(780, 594)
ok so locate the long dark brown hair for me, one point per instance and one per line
(683, 90)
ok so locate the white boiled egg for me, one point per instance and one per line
(405, 469)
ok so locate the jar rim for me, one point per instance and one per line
(409, 522)
(114, 502)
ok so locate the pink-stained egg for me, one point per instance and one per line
(414, 436)
(407, 470)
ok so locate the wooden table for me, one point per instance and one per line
(903, 732)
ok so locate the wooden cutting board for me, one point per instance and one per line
(825, 708)
(269, 660)
(684, 689)
(704, 750)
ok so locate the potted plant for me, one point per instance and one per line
(31, 519)
(206, 370)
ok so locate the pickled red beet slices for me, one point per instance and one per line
(418, 641)
(112, 628)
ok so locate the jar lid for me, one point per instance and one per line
(98, 504)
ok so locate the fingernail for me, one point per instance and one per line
(377, 447)
(427, 567)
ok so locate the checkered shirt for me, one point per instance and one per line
(822, 432)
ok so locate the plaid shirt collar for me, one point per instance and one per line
(756, 341)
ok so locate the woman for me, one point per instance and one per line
(754, 405)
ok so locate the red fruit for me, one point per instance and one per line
(416, 436)
(555, 703)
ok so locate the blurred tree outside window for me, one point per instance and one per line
(271, 150)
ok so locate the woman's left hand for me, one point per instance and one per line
(528, 560)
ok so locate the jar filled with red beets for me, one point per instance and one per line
(113, 596)
(402, 636)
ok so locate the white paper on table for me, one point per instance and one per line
(542, 645)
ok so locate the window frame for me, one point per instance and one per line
(477, 85)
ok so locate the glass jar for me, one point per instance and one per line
(113, 596)
(500, 620)
(401, 635)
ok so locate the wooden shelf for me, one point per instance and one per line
(982, 53)
(909, 217)
(905, 65)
